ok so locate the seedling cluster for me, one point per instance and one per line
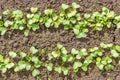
(68, 16)
(60, 60)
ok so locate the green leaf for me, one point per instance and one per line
(54, 17)
(101, 66)
(65, 58)
(67, 27)
(88, 60)
(6, 60)
(55, 54)
(6, 12)
(37, 64)
(3, 30)
(1, 23)
(48, 23)
(111, 15)
(86, 16)
(118, 25)
(49, 66)
(34, 59)
(102, 45)
(12, 54)
(33, 50)
(103, 61)
(73, 20)
(50, 56)
(28, 58)
(81, 35)
(35, 27)
(79, 56)
(64, 51)
(117, 18)
(84, 51)
(109, 67)
(4, 70)
(48, 11)
(65, 70)
(58, 69)
(114, 53)
(57, 23)
(33, 9)
(77, 64)
(30, 16)
(28, 66)
(7, 23)
(26, 32)
(43, 51)
(70, 58)
(78, 16)
(16, 69)
(75, 5)
(105, 10)
(64, 6)
(117, 48)
(108, 59)
(84, 67)
(10, 65)
(22, 54)
(35, 72)
(71, 13)
(59, 46)
(21, 65)
(17, 14)
(74, 51)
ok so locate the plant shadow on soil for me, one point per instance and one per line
(15, 40)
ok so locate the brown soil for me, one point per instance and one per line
(48, 39)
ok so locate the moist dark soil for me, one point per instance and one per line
(16, 41)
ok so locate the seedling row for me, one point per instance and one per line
(105, 57)
(68, 16)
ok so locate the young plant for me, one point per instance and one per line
(33, 20)
(2, 28)
(5, 64)
(80, 30)
(96, 52)
(104, 63)
(49, 66)
(29, 62)
(76, 66)
(61, 69)
(19, 20)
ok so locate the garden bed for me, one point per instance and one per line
(48, 39)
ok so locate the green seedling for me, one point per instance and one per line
(74, 51)
(64, 6)
(49, 66)
(114, 53)
(96, 52)
(12, 54)
(76, 66)
(35, 72)
(5, 64)
(67, 58)
(117, 48)
(23, 55)
(33, 50)
(6, 12)
(102, 45)
(33, 9)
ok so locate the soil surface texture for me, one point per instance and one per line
(16, 41)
